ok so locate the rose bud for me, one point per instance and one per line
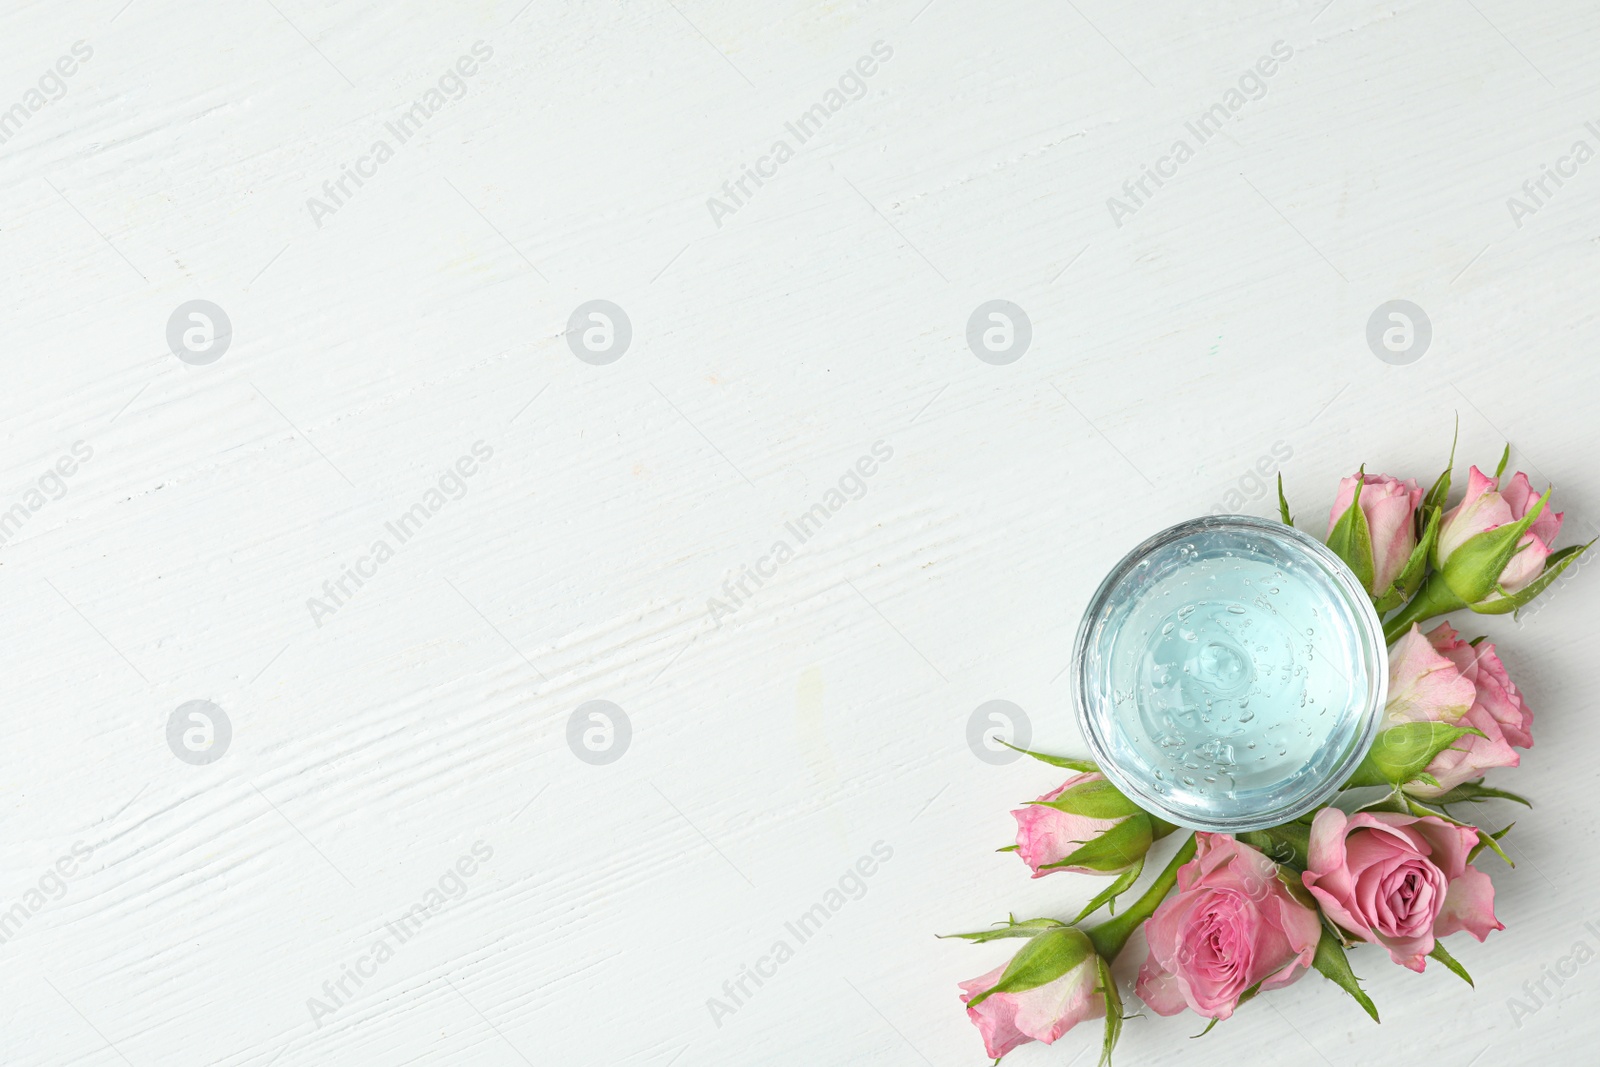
(1386, 511)
(1493, 553)
(1051, 985)
(1085, 825)
(1399, 881)
(1233, 925)
(1484, 509)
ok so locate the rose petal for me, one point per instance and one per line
(1469, 906)
(1424, 685)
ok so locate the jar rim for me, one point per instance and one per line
(1368, 632)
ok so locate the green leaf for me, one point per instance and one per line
(1046, 957)
(1504, 456)
(1332, 963)
(1439, 952)
(1108, 988)
(1441, 486)
(1110, 893)
(1283, 504)
(1475, 792)
(1113, 850)
(1010, 928)
(1553, 566)
(1473, 570)
(1402, 752)
(1067, 762)
(1351, 540)
(1093, 800)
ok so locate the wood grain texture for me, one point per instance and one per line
(772, 747)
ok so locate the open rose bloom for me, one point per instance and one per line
(1437, 676)
(1399, 881)
(1231, 924)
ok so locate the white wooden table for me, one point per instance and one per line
(394, 506)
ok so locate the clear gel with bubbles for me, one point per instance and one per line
(1230, 674)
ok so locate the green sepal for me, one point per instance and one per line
(1010, 928)
(1486, 840)
(1504, 458)
(1394, 801)
(1046, 957)
(1439, 952)
(1286, 845)
(1473, 570)
(1409, 580)
(1209, 1027)
(1351, 539)
(1389, 601)
(1113, 850)
(1295, 886)
(1110, 893)
(1283, 504)
(1332, 963)
(1006, 848)
(1402, 752)
(1416, 568)
(1554, 564)
(1475, 792)
(1440, 490)
(1107, 987)
(1092, 800)
(1066, 762)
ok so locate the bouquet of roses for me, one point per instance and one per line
(1252, 912)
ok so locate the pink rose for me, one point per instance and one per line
(1424, 684)
(1399, 881)
(1439, 677)
(1487, 507)
(1498, 710)
(1044, 1012)
(1231, 925)
(1390, 507)
(1046, 834)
